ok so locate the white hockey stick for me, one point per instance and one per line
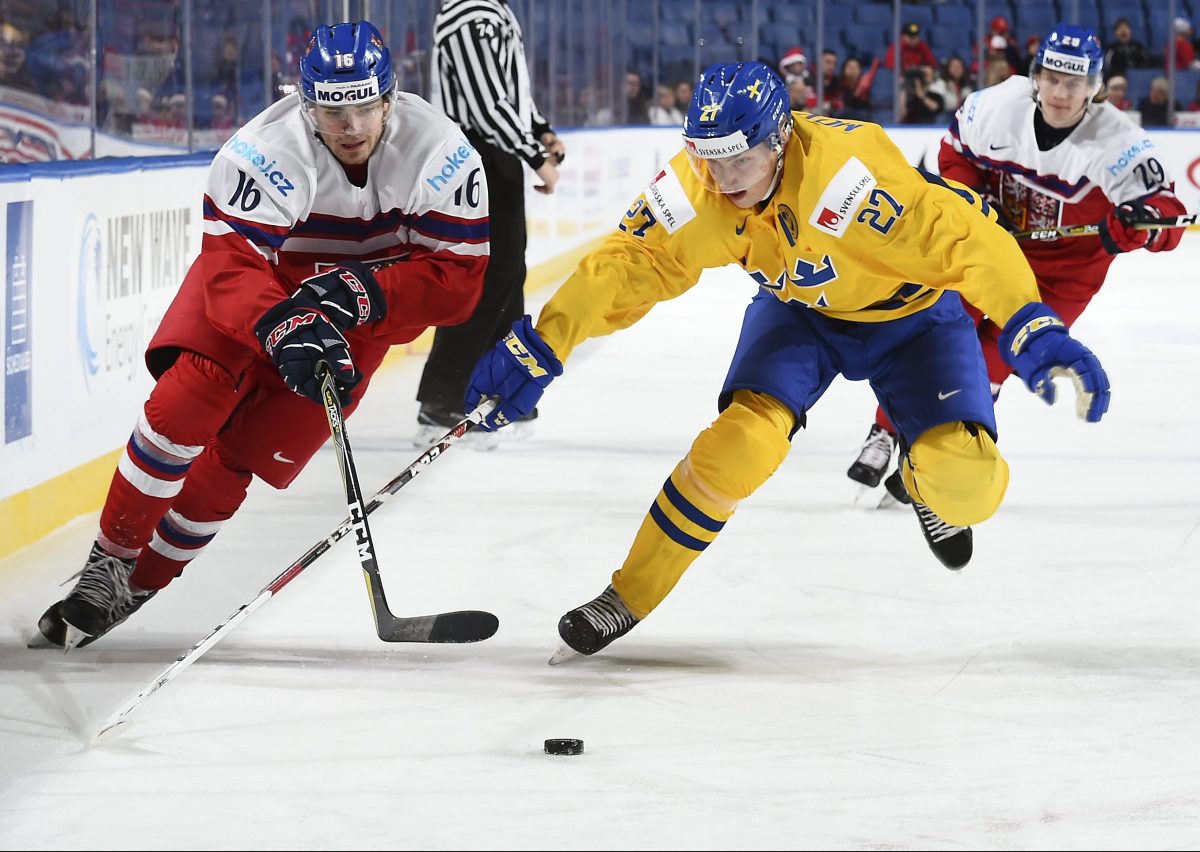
(472, 630)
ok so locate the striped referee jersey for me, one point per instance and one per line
(481, 79)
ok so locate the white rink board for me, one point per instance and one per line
(93, 233)
(108, 253)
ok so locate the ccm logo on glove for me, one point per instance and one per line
(515, 371)
(285, 328)
(1032, 327)
(361, 298)
(530, 363)
(347, 294)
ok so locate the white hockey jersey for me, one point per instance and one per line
(1106, 161)
(279, 207)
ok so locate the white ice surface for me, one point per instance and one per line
(816, 680)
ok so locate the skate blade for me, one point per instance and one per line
(37, 640)
(887, 501)
(562, 654)
(865, 496)
(73, 637)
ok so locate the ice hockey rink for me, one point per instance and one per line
(817, 679)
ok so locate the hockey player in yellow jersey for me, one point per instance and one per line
(858, 257)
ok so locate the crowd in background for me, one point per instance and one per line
(243, 58)
(931, 90)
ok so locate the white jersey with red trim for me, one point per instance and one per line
(279, 207)
(1106, 160)
(276, 187)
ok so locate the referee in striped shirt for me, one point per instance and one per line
(481, 80)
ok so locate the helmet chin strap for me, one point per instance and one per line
(778, 173)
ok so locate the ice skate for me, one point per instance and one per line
(587, 629)
(950, 544)
(873, 458)
(100, 601)
(895, 494)
(434, 421)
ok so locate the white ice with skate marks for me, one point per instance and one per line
(816, 678)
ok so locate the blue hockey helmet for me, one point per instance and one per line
(345, 65)
(737, 126)
(1071, 49)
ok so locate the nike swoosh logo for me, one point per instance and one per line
(998, 147)
(740, 229)
(280, 457)
(945, 396)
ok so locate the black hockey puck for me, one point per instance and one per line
(564, 746)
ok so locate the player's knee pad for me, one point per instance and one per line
(191, 400)
(739, 451)
(957, 471)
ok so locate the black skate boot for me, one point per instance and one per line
(950, 544)
(100, 601)
(587, 629)
(896, 492)
(434, 421)
(873, 458)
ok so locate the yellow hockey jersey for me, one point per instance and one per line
(852, 231)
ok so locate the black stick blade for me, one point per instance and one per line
(470, 625)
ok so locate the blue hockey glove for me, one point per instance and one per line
(298, 340)
(516, 371)
(1035, 343)
(347, 294)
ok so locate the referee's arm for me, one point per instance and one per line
(472, 71)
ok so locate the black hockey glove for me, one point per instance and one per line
(347, 294)
(299, 339)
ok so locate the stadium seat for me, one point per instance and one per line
(1139, 82)
(1185, 87)
(873, 14)
(954, 15)
(1032, 20)
(867, 39)
(923, 15)
(883, 89)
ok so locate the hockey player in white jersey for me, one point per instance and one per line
(336, 224)
(1049, 152)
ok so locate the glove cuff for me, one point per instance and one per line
(1030, 322)
(1107, 241)
(533, 353)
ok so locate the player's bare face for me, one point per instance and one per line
(744, 178)
(352, 132)
(1063, 97)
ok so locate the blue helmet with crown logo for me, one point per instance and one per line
(345, 64)
(745, 98)
(737, 126)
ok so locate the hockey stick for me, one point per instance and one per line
(466, 626)
(1187, 223)
(444, 628)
